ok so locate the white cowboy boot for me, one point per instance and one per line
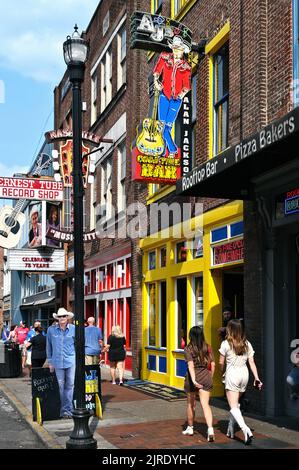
(237, 415)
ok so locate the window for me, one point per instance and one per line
(121, 199)
(152, 315)
(198, 293)
(219, 234)
(181, 296)
(156, 6)
(221, 98)
(163, 315)
(163, 253)
(198, 244)
(152, 260)
(178, 5)
(67, 206)
(295, 52)
(181, 252)
(122, 54)
(106, 79)
(194, 114)
(106, 187)
(93, 109)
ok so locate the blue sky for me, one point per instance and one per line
(31, 64)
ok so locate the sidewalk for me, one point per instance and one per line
(134, 420)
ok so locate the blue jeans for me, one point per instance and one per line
(66, 379)
(167, 113)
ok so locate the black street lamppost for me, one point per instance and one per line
(75, 50)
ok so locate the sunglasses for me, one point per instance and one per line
(63, 316)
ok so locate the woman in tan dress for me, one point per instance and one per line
(199, 378)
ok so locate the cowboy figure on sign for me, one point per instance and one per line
(172, 79)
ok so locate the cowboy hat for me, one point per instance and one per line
(178, 43)
(62, 312)
(34, 210)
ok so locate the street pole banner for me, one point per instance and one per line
(29, 188)
(36, 260)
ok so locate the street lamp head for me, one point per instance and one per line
(75, 49)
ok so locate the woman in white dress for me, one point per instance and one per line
(235, 351)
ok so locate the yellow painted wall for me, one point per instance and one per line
(212, 293)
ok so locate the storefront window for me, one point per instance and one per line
(198, 292)
(181, 252)
(152, 260)
(181, 313)
(198, 245)
(163, 315)
(152, 315)
(221, 96)
(163, 257)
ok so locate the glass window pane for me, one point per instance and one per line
(152, 260)
(152, 315)
(163, 314)
(198, 301)
(181, 313)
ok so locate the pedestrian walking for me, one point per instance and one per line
(38, 343)
(61, 358)
(93, 342)
(235, 352)
(116, 347)
(30, 335)
(199, 379)
(21, 335)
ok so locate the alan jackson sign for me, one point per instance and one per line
(161, 152)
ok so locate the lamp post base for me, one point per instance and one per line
(81, 437)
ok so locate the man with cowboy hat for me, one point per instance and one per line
(61, 358)
(35, 234)
(172, 78)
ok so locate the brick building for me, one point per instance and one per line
(158, 287)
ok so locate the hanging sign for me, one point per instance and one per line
(30, 188)
(36, 260)
(66, 163)
(68, 237)
(161, 152)
(152, 32)
(64, 134)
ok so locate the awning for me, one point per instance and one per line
(231, 173)
(44, 301)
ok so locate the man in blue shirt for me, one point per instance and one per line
(61, 358)
(93, 343)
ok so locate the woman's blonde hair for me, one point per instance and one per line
(236, 337)
(116, 331)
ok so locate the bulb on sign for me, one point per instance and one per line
(92, 168)
(90, 179)
(56, 166)
(54, 154)
(57, 177)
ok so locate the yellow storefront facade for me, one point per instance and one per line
(186, 283)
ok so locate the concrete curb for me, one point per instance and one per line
(43, 435)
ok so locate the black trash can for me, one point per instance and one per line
(12, 366)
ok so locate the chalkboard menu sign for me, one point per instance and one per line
(45, 395)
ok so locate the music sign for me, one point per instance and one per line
(161, 152)
(28, 188)
(228, 252)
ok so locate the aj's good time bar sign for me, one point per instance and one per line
(161, 152)
(27, 188)
(36, 260)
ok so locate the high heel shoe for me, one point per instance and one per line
(230, 429)
(248, 436)
(211, 435)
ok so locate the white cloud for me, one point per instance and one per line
(33, 31)
(6, 170)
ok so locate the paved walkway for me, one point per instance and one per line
(134, 420)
